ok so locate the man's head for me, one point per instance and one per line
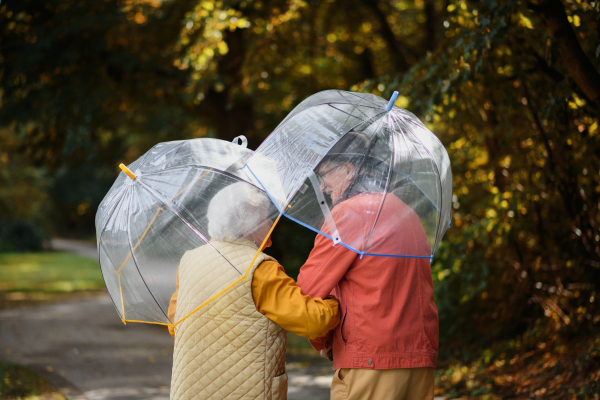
(335, 177)
(341, 165)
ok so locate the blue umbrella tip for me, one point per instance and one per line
(392, 100)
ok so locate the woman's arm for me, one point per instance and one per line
(173, 305)
(277, 297)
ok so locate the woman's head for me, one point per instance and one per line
(239, 211)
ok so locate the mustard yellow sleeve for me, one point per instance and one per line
(173, 306)
(278, 298)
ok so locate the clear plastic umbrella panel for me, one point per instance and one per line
(338, 147)
(156, 211)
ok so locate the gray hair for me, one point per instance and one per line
(236, 210)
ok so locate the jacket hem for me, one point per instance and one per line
(385, 361)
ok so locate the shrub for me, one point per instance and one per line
(20, 236)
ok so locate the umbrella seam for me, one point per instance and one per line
(135, 258)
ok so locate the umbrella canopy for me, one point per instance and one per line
(336, 146)
(158, 209)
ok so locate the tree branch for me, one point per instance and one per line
(401, 54)
(546, 69)
(538, 124)
(573, 57)
(431, 25)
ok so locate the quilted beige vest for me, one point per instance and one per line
(227, 349)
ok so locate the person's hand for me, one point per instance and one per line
(327, 353)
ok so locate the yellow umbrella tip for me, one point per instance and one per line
(127, 171)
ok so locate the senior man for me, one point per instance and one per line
(386, 344)
(234, 347)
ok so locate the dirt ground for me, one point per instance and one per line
(81, 345)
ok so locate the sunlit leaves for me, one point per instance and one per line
(203, 33)
(520, 137)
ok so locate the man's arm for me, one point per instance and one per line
(325, 267)
(278, 298)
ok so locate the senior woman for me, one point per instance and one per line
(234, 347)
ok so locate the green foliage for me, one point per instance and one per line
(524, 143)
(21, 383)
(20, 236)
(291, 245)
(298, 345)
(48, 272)
(86, 86)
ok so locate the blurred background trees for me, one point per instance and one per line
(510, 87)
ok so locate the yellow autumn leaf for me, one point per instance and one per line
(223, 48)
(526, 22)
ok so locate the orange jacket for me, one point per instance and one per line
(389, 319)
(278, 298)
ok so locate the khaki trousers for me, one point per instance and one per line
(383, 384)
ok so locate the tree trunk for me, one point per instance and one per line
(573, 57)
(231, 117)
(400, 53)
(431, 25)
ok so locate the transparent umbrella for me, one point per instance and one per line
(155, 212)
(357, 149)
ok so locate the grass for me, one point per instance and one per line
(20, 383)
(48, 272)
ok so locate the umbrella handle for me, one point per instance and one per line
(244, 143)
(392, 101)
(127, 171)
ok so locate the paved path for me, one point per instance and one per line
(83, 347)
(85, 249)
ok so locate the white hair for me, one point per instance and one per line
(236, 210)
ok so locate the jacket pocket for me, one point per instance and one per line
(279, 387)
(343, 334)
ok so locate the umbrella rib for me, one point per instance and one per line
(134, 257)
(185, 188)
(151, 222)
(395, 117)
(148, 154)
(348, 246)
(147, 178)
(204, 166)
(346, 103)
(418, 187)
(356, 95)
(387, 181)
(140, 240)
(344, 112)
(371, 120)
(185, 221)
(355, 107)
(111, 214)
(101, 245)
(351, 103)
(117, 272)
(441, 192)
